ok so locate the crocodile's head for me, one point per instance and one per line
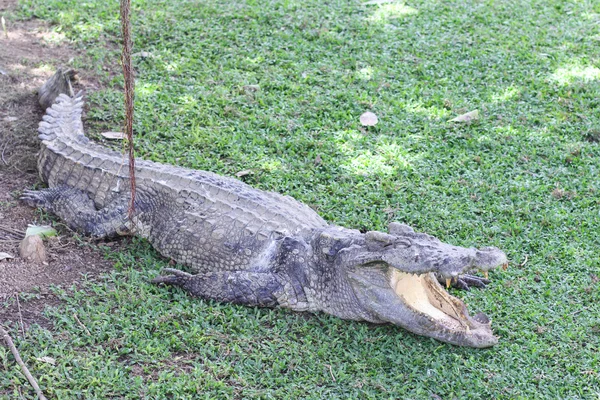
(395, 279)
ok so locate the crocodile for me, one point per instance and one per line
(258, 248)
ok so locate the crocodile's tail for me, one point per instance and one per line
(59, 83)
(63, 119)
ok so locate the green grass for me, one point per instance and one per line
(523, 178)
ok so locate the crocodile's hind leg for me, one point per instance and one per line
(77, 210)
(241, 287)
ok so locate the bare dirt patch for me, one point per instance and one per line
(67, 259)
(28, 57)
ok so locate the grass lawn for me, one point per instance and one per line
(271, 86)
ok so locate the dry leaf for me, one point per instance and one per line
(143, 54)
(113, 135)
(468, 117)
(47, 360)
(540, 329)
(5, 256)
(244, 173)
(368, 119)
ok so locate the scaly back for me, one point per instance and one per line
(69, 158)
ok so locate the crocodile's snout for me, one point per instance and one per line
(489, 258)
(398, 280)
(419, 253)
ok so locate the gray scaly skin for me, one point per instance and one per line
(258, 248)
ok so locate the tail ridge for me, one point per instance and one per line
(63, 119)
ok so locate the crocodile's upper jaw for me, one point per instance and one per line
(421, 305)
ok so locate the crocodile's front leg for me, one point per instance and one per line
(241, 287)
(77, 210)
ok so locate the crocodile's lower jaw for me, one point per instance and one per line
(427, 297)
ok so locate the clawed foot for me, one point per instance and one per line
(176, 277)
(465, 282)
(35, 198)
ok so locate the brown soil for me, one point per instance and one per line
(28, 57)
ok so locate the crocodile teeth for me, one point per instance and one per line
(448, 281)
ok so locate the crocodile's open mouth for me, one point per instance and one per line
(418, 303)
(424, 294)
(427, 298)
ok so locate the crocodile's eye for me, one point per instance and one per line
(398, 229)
(380, 237)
